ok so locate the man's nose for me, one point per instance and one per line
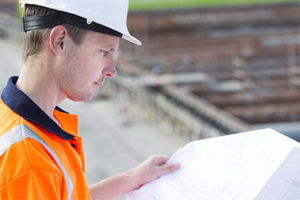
(110, 71)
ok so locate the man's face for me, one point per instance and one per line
(85, 66)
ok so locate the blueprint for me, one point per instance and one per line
(232, 167)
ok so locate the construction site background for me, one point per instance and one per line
(201, 73)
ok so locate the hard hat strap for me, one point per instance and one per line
(41, 22)
(52, 20)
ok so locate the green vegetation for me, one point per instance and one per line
(136, 5)
(19, 11)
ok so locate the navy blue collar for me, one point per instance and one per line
(21, 104)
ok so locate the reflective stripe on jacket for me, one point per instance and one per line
(21, 132)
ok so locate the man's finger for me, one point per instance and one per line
(169, 168)
(160, 160)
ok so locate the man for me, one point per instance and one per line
(69, 50)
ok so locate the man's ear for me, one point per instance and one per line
(57, 38)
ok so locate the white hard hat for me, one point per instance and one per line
(108, 13)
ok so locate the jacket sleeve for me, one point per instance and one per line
(35, 184)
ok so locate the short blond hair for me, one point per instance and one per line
(33, 40)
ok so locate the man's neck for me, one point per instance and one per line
(37, 82)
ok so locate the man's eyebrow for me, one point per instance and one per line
(107, 46)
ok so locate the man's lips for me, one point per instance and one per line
(98, 82)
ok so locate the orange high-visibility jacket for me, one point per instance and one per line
(38, 158)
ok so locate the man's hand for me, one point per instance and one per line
(151, 169)
(113, 187)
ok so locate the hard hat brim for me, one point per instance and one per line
(132, 39)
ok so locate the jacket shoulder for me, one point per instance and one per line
(20, 153)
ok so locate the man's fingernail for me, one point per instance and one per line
(176, 165)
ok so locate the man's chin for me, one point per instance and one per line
(83, 98)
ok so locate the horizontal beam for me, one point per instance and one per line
(166, 79)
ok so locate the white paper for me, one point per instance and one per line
(232, 167)
(285, 182)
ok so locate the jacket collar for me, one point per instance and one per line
(21, 104)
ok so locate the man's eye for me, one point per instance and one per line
(104, 53)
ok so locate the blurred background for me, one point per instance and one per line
(205, 69)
